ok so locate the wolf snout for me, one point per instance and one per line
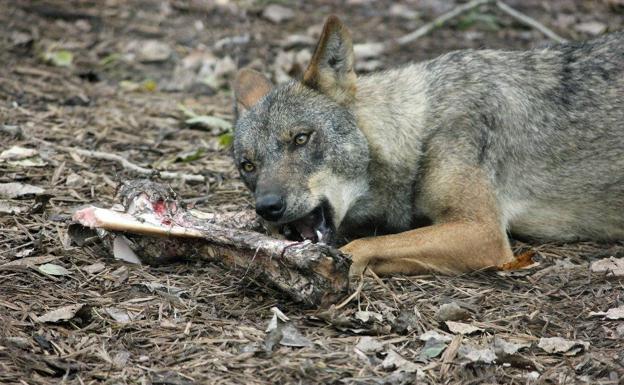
(270, 206)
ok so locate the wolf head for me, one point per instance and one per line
(297, 145)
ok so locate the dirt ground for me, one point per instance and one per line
(124, 77)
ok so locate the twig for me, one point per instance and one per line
(396, 299)
(440, 21)
(350, 298)
(457, 11)
(449, 355)
(521, 17)
(125, 163)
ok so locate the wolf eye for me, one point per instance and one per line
(301, 139)
(247, 166)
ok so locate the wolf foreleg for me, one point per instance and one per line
(450, 248)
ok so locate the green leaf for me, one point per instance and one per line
(432, 348)
(109, 60)
(211, 122)
(59, 58)
(149, 85)
(187, 111)
(189, 156)
(226, 139)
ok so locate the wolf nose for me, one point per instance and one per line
(270, 206)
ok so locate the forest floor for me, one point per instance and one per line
(124, 77)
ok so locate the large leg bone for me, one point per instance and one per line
(159, 229)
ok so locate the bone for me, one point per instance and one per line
(160, 230)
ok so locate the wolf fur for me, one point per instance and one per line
(473, 144)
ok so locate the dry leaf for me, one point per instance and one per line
(122, 316)
(14, 190)
(122, 250)
(613, 313)
(394, 361)
(563, 346)
(368, 316)
(32, 261)
(612, 266)
(52, 269)
(369, 345)
(432, 334)
(432, 349)
(120, 359)
(18, 153)
(11, 208)
(61, 314)
(292, 337)
(462, 328)
(522, 261)
(477, 355)
(505, 348)
(94, 268)
(452, 312)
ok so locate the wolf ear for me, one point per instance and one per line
(249, 87)
(331, 68)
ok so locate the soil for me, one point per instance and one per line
(132, 68)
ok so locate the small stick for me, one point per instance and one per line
(396, 299)
(440, 21)
(350, 298)
(521, 17)
(125, 163)
(460, 10)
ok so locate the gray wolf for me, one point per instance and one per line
(428, 167)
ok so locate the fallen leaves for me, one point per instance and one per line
(369, 345)
(613, 313)
(477, 355)
(94, 268)
(60, 58)
(433, 348)
(462, 328)
(52, 269)
(452, 312)
(123, 251)
(205, 121)
(394, 361)
(121, 316)
(11, 207)
(506, 348)
(522, 261)
(16, 190)
(282, 331)
(63, 313)
(612, 266)
(17, 153)
(560, 345)
(31, 261)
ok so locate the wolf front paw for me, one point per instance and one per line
(360, 256)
